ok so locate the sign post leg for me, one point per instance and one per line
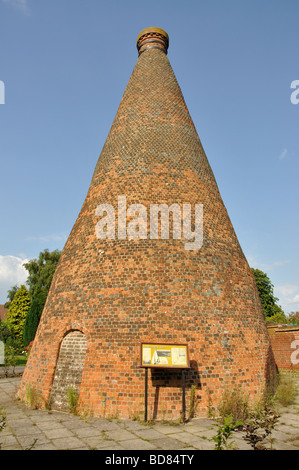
(145, 394)
(184, 399)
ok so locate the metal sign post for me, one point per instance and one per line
(184, 395)
(145, 394)
(164, 356)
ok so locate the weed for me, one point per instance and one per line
(260, 426)
(72, 399)
(234, 403)
(257, 422)
(32, 445)
(32, 397)
(286, 390)
(193, 402)
(2, 421)
(224, 433)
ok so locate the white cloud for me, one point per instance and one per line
(48, 238)
(287, 290)
(287, 294)
(12, 272)
(265, 267)
(20, 5)
(283, 154)
(288, 297)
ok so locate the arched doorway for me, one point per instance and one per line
(69, 368)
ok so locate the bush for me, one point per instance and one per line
(10, 357)
(5, 332)
(257, 421)
(235, 404)
(17, 313)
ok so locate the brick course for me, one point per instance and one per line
(119, 293)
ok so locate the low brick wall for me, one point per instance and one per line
(285, 345)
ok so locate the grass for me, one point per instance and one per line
(72, 399)
(286, 390)
(21, 361)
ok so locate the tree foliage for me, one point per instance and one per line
(10, 294)
(41, 272)
(33, 317)
(5, 332)
(268, 300)
(40, 276)
(293, 318)
(25, 306)
(17, 313)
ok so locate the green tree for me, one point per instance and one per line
(17, 313)
(272, 311)
(33, 317)
(40, 276)
(293, 318)
(10, 295)
(41, 272)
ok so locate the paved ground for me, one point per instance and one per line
(43, 430)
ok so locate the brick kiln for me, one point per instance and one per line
(113, 291)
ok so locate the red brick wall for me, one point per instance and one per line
(285, 345)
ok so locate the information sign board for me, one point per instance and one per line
(173, 356)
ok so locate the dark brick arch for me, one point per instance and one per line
(69, 368)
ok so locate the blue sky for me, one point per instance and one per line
(65, 65)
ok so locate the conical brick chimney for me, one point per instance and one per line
(113, 291)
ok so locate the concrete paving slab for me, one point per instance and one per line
(27, 430)
(186, 437)
(51, 430)
(106, 425)
(57, 433)
(67, 443)
(148, 433)
(206, 433)
(287, 429)
(120, 435)
(132, 425)
(87, 432)
(94, 442)
(50, 425)
(46, 446)
(203, 444)
(8, 441)
(138, 444)
(166, 428)
(28, 442)
(168, 443)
